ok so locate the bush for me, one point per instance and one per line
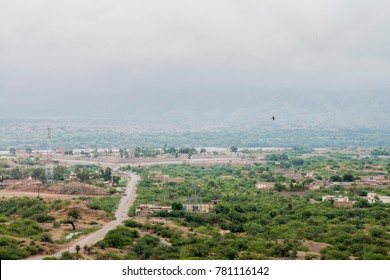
(145, 245)
(46, 237)
(120, 237)
(311, 256)
(34, 249)
(3, 219)
(132, 224)
(68, 256)
(108, 204)
(24, 228)
(112, 190)
(333, 254)
(10, 249)
(56, 224)
(43, 218)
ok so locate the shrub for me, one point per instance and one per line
(10, 249)
(132, 224)
(43, 218)
(311, 256)
(120, 237)
(56, 224)
(34, 249)
(3, 219)
(46, 237)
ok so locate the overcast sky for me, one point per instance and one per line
(91, 52)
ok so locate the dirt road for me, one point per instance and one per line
(126, 201)
(120, 215)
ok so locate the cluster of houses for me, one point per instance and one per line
(342, 201)
(378, 181)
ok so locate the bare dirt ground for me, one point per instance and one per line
(59, 190)
(314, 249)
(10, 194)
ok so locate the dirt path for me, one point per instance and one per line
(126, 201)
(120, 215)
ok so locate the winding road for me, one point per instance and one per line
(120, 215)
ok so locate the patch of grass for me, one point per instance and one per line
(108, 204)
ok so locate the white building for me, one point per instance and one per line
(335, 198)
(265, 185)
(374, 197)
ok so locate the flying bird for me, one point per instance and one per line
(273, 118)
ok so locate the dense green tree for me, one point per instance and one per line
(17, 173)
(348, 177)
(115, 180)
(187, 150)
(39, 174)
(279, 187)
(106, 173)
(83, 174)
(177, 205)
(361, 203)
(336, 178)
(297, 162)
(59, 172)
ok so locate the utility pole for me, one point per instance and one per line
(49, 167)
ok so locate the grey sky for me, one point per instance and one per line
(96, 51)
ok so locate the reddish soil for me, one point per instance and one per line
(68, 188)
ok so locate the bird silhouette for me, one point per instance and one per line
(273, 118)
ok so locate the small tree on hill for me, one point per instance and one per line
(28, 150)
(12, 151)
(73, 216)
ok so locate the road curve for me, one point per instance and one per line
(120, 215)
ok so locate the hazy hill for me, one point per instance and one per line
(296, 109)
(221, 108)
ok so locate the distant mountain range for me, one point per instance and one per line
(299, 109)
(205, 109)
